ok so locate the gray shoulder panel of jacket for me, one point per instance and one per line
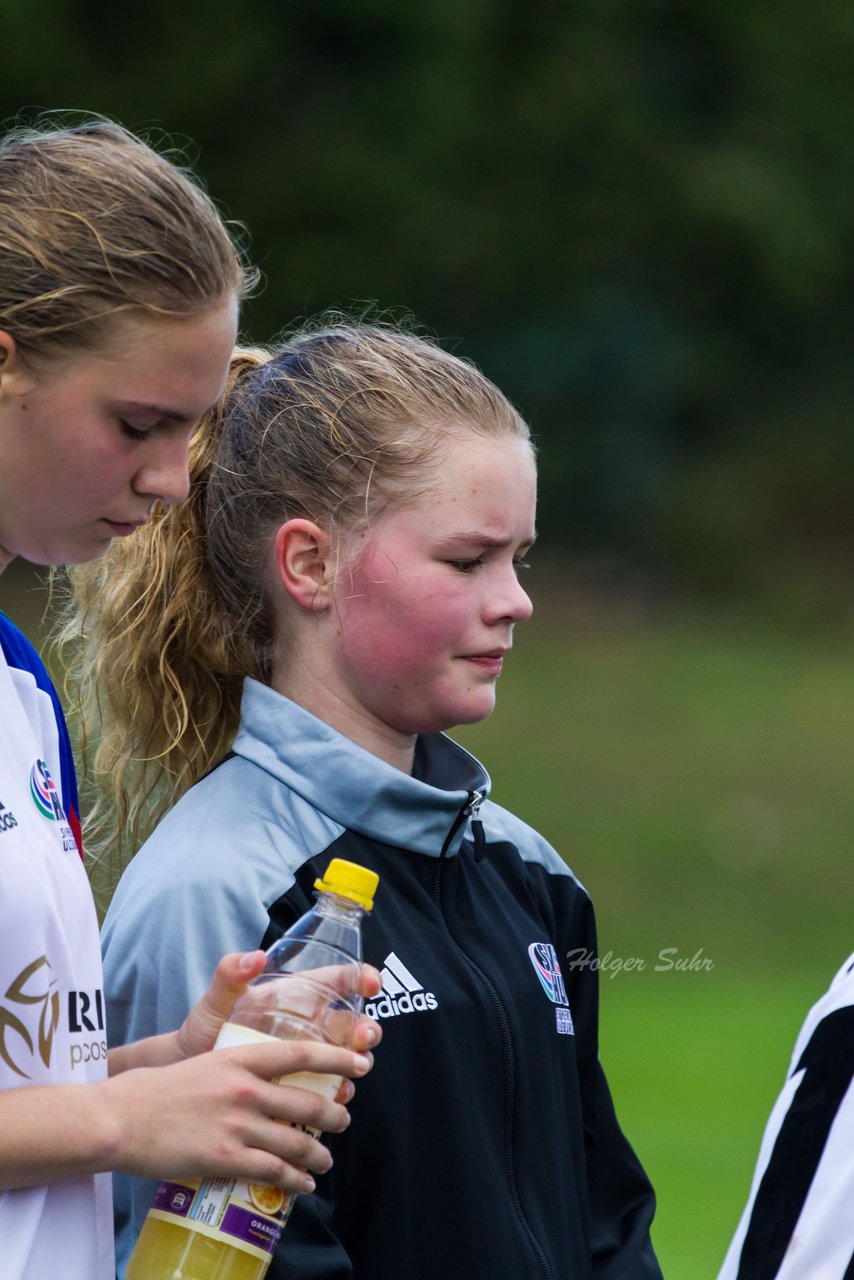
(229, 848)
(501, 824)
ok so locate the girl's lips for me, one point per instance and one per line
(121, 529)
(490, 662)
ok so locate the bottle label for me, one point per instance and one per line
(246, 1215)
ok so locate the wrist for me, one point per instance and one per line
(153, 1051)
(108, 1131)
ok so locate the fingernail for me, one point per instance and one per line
(363, 1063)
(309, 1184)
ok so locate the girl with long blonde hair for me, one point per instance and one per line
(119, 293)
(343, 587)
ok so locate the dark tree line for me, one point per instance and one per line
(635, 214)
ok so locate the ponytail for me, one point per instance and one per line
(153, 666)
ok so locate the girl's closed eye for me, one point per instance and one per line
(132, 433)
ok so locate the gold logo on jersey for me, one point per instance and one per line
(13, 1026)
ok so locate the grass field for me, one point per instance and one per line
(693, 766)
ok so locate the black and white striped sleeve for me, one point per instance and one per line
(798, 1223)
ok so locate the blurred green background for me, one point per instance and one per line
(637, 217)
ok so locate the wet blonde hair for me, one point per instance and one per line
(336, 425)
(94, 222)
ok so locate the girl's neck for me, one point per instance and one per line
(347, 718)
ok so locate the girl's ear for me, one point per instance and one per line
(302, 564)
(15, 378)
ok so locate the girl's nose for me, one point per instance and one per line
(164, 474)
(523, 606)
(512, 603)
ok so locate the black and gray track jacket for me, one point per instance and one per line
(484, 1143)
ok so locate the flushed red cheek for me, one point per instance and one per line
(398, 636)
(391, 647)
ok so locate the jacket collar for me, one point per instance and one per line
(354, 788)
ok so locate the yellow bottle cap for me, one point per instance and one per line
(349, 880)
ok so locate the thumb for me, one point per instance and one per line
(202, 1025)
(231, 977)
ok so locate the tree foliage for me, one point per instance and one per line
(635, 214)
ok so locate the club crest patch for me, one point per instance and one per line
(44, 793)
(546, 966)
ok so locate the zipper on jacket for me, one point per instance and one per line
(471, 809)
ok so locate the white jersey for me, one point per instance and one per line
(52, 1028)
(799, 1220)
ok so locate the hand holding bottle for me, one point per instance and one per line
(198, 1033)
(221, 1114)
(202, 1113)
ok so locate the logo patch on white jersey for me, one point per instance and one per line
(401, 993)
(45, 797)
(44, 793)
(547, 968)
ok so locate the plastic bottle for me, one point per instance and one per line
(223, 1229)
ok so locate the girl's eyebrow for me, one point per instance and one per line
(169, 415)
(483, 540)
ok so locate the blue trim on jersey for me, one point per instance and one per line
(21, 655)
